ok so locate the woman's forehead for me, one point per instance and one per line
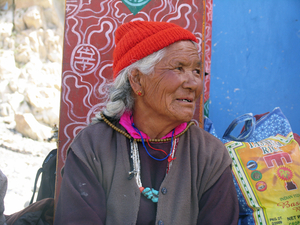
(183, 52)
(181, 46)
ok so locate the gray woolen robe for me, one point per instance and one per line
(200, 161)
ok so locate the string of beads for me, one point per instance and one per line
(140, 140)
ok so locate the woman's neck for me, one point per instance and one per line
(155, 128)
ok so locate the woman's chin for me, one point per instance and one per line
(184, 117)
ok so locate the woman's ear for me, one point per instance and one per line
(134, 80)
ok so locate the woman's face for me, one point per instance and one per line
(170, 93)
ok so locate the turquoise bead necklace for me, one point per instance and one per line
(149, 193)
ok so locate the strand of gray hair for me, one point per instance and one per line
(120, 93)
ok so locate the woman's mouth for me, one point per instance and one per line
(185, 100)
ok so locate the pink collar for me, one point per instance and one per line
(125, 121)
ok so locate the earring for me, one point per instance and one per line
(139, 93)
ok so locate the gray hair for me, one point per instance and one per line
(120, 93)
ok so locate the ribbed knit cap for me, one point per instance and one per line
(138, 39)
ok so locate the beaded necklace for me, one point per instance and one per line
(139, 140)
(137, 130)
(149, 193)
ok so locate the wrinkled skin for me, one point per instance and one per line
(169, 94)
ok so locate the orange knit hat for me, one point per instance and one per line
(138, 39)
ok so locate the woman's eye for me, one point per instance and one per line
(179, 68)
(197, 71)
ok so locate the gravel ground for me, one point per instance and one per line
(20, 158)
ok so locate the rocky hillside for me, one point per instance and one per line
(31, 39)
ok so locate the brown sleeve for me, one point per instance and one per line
(82, 199)
(219, 204)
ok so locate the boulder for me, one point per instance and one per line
(52, 18)
(26, 4)
(18, 85)
(8, 43)
(34, 18)
(28, 126)
(7, 113)
(6, 110)
(45, 104)
(36, 38)
(53, 46)
(8, 65)
(53, 71)
(18, 20)
(24, 108)
(14, 100)
(48, 116)
(6, 29)
(4, 89)
(23, 54)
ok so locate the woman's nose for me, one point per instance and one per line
(191, 81)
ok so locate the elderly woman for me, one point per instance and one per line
(143, 161)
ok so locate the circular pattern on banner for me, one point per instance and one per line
(256, 175)
(284, 173)
(85, 59)
(252, 165)
(261, 186)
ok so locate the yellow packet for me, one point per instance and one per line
(268, 174)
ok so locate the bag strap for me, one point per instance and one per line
(35, 182)
(249, 127)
